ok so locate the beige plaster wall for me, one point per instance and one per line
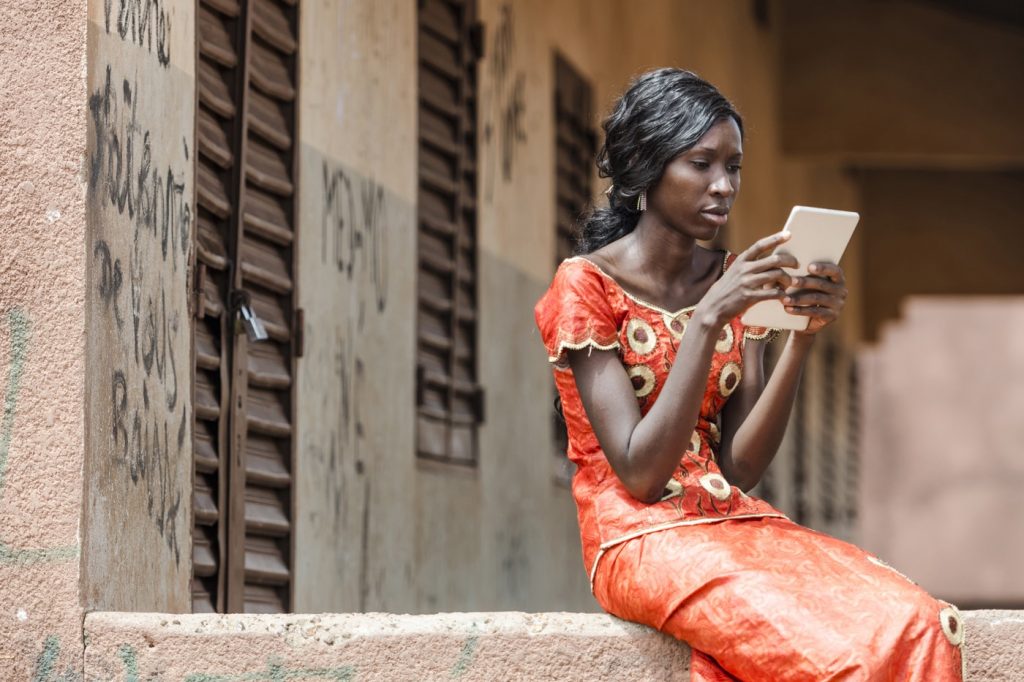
(137, 516)
(42, 335)
(466, 646)
(355, 524)
(941, 469)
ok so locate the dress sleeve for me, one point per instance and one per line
(576, 313)
(753, 333)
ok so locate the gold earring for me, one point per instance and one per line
(641, 201)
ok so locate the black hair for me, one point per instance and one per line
(662, 114)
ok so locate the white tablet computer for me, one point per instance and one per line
(819, 234)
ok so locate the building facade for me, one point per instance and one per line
(269, 269)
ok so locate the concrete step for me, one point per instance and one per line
(466, 646)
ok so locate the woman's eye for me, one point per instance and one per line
(701, 164)
(735, 168)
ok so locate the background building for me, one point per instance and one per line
(387, 187)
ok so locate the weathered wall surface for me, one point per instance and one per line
(139, 170)
(920, 82)
(954, 233)
(42, 335)
(354, 517)
(941, 469)
(466, 646)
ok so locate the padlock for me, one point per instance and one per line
(254, 328)
(252, 324)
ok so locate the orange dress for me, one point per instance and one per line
(757, 596)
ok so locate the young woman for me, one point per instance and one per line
(670, 420)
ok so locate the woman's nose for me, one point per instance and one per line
(722, 186)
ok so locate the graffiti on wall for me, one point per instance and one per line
(19, 326)
(139, 260)
(145, 23)
(504, 126)
(357, 214)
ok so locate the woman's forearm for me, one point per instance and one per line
(659, 439)
(758, 438)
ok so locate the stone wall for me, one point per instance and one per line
(466, 646)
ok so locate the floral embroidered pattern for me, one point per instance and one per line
(642, 378)
(952, 625)
(716, 485)
(676, 325)
(695, 443)
(641, 336)
(725, 339)
(729, 379)
(672, 489)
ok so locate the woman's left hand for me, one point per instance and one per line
(820, 295)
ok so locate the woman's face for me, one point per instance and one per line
(698, 187)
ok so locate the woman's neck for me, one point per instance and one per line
(665, 254)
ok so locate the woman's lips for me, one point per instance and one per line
(716, 217)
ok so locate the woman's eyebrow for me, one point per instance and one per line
(713, 150)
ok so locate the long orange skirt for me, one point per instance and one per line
(767, 599)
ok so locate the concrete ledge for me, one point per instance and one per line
(467, 646)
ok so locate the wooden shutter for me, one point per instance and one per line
(575, 149)
(449, 399)
(245, 255)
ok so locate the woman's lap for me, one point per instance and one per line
(769, 599)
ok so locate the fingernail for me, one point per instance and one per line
(814, 268)
(787, 300)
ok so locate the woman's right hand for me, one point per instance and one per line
(756, 275)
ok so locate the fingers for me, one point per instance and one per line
(827, 270)
(804, 283)
(775, 276)
(818, 312)
(764, 245)
(809, 299)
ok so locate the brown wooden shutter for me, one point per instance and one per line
(575, 149)
(246, 129)
(449, 399)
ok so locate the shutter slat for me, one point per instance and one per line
(264, 513)
(212, 139)
(207, 355)
(267, 414)
(228, 8)
(206, 449)
(441, 19)
(266, 217)
(207, 405)
(264, 562)
(266, 168)
(265, 599)
(265, 265)
(213, 303)
(210, 248)
(203, 506)
(270, 23)
(266, 462)
(214, 39)
(267, 120)
(268, 367)
(270, 73)
(210, 191)
(214, 91)
(204, 564)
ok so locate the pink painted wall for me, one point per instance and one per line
(42, 334)
(941, 458)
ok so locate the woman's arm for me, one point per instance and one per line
(645, 450)
(755, 418)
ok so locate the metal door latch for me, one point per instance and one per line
(246, 318)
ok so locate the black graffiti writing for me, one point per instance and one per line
(147, 453)
(355, 225)
(145, 23)
(506, 105)
(111, 279)
(122, 172)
